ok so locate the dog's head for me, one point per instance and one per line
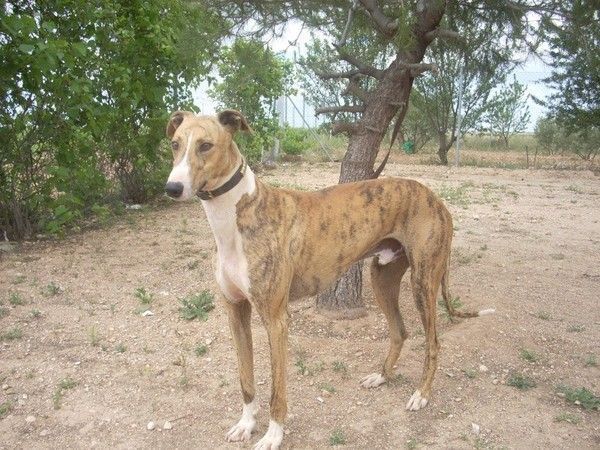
(204, 153)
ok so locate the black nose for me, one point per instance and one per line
(174, 189)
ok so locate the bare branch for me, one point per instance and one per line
(363, 68)
(418, 69)
(342, 40)
(441, 33)
(354, 89)
(344, 127)
(384, 24)
(338, 109)
(330, 75)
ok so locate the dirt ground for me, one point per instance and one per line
(526, 243)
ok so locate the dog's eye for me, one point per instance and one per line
(206, 146)
(174, 145)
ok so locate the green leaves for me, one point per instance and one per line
(27, 48)
(253, 77)
(86, 87)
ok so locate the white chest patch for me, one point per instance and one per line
(232, 266)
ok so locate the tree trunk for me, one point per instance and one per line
(444, 147)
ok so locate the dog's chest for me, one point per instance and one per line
(232, 270)
(232, 266)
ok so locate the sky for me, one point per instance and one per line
(530, 74)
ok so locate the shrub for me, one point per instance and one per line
(295, 141)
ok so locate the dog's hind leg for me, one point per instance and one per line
(239, 315)
(386, 286)
(425, 280)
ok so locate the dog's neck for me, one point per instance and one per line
(221, 210)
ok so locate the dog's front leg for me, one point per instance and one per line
(239, 315)
(276, 323)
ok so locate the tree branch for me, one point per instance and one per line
(354, 89)
(441, 33)
(330, 75)
(418, 69)
(383, 23)
(344, 127)
(342, 40)
(338, 109)
(363, 68)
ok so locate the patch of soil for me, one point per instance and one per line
(526, 243)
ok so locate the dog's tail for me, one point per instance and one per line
(448, 300)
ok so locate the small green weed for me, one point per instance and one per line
(51, 290)
(340, 367)
(337, 438)
(411, 444)
(470, 373)
(15, 299)
(3, 311)
(35, 313)
(64, 385)
(574, 188)
(197, 305)
(521, 382)
(143, 296)
(458, 196)
(120, 348)
(580, 396)
(302, 366)
(19, 279)
(529, 355)
(192, 264)
(543, 315)
(327, 387)
(576, 329)
(568, 417)
(94, 336)
(590, 361)
(5, 408)
(67, 383)
(201, 350)
(11, 335)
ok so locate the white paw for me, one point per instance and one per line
(416, 402)
(272, 438)
(372, 381)
(242, 430)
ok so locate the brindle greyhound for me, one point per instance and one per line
(275, 245)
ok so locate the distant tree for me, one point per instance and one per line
(484, 55)
(553, 137)
(252, 78)
(575, 58)
(416, 127)
(509, 113)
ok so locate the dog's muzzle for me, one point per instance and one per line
(174, 189)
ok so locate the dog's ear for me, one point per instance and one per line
(175, 120)
(233, 120)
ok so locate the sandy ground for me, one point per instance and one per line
(526, 243)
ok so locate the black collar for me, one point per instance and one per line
(227, 186)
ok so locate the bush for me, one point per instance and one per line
(554, 138)
(86, 93)
(295, 141)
